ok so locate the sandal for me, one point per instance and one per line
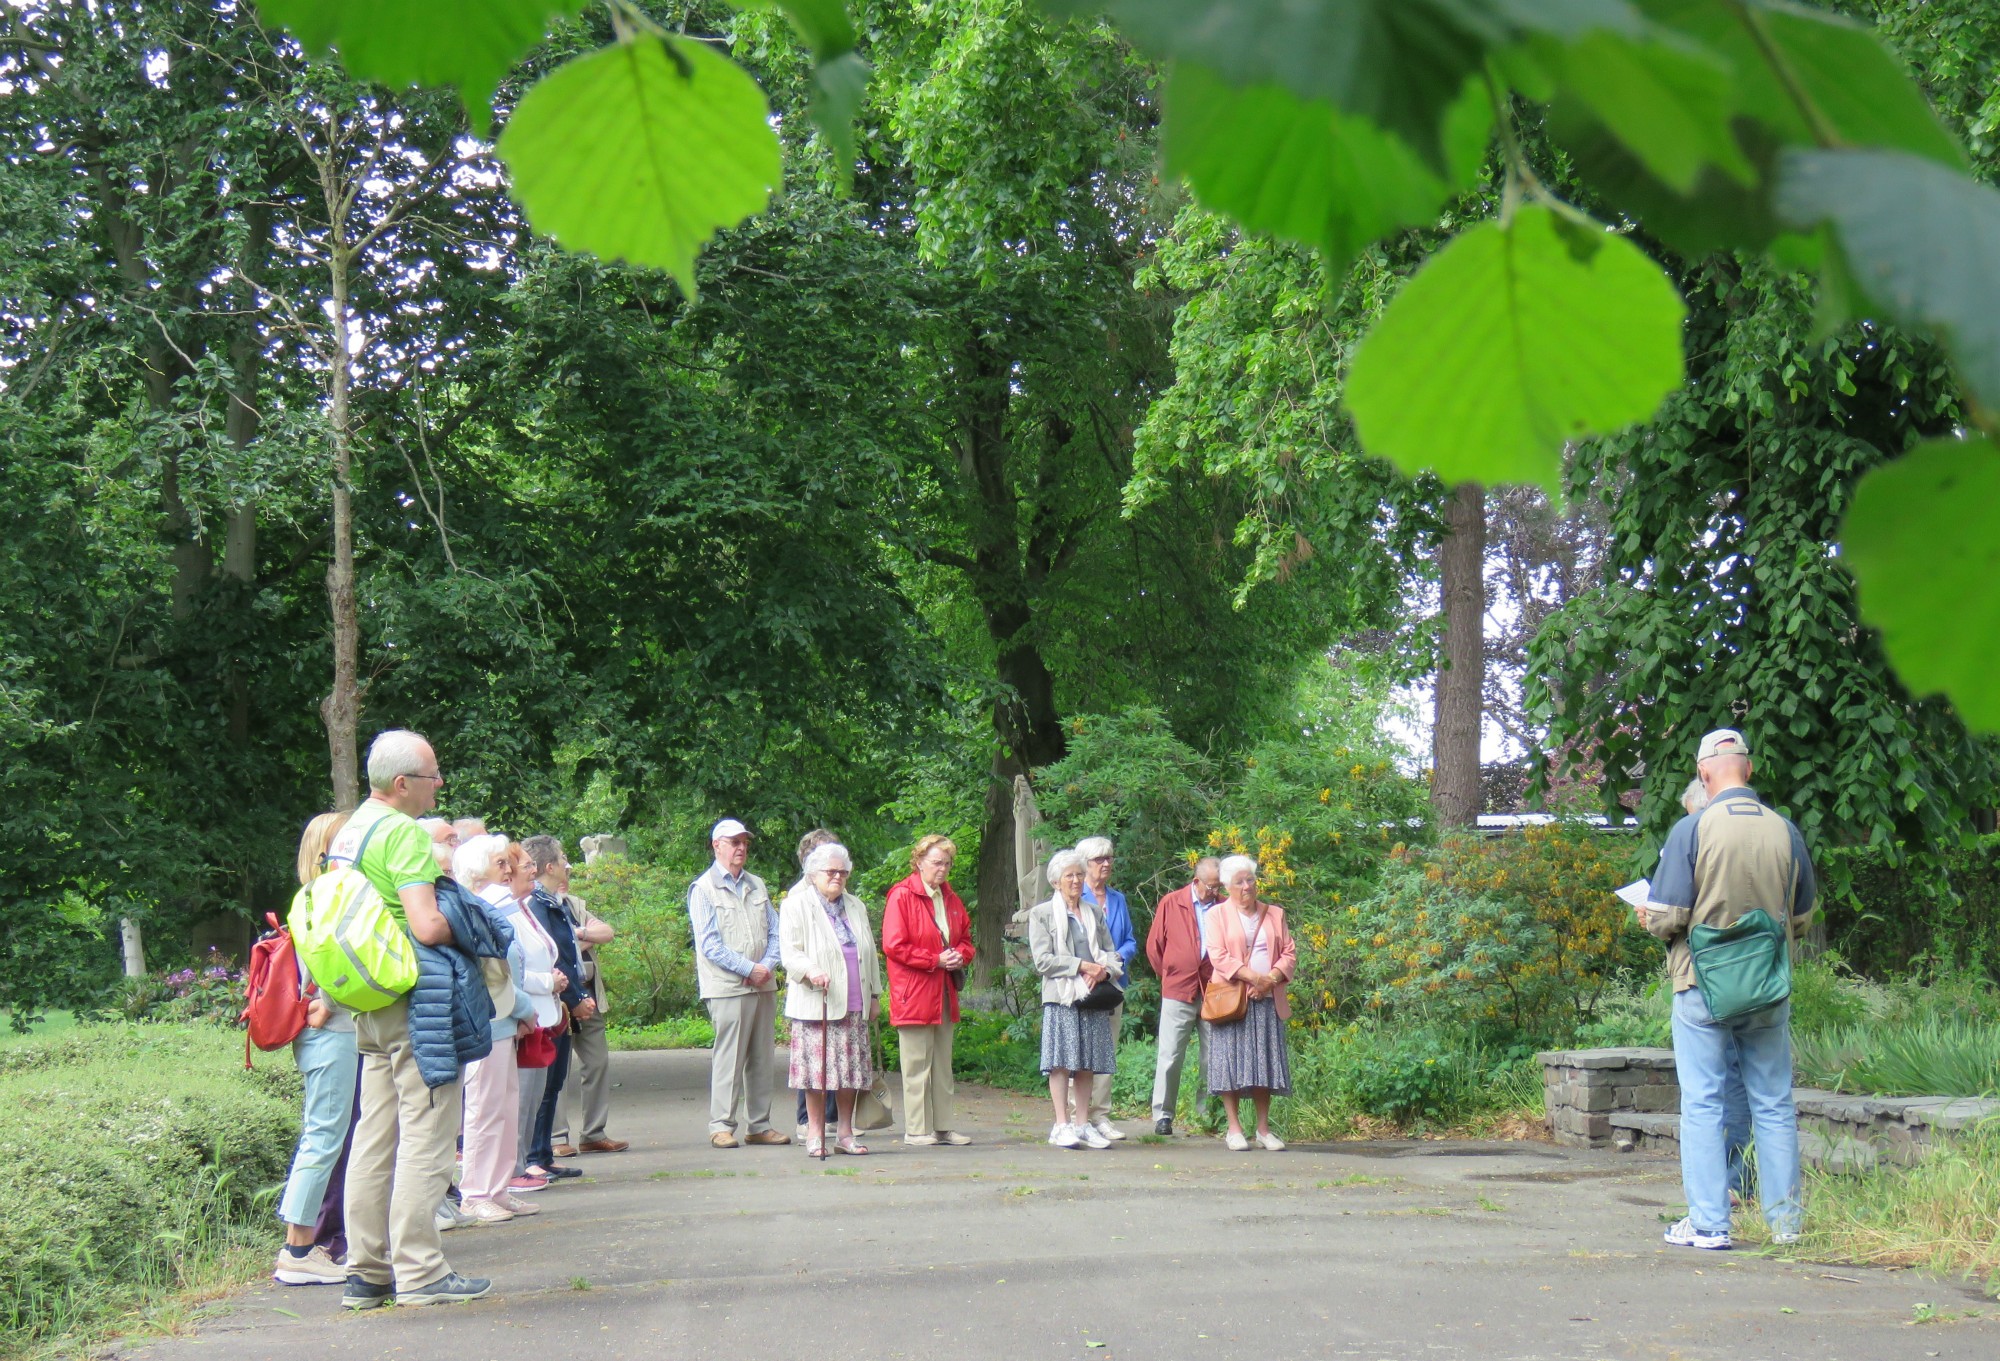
(816, 1148)
(847, 1144)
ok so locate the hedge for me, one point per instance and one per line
(129, 1155)
(1942, 913)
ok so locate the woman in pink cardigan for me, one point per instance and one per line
(1247, 941)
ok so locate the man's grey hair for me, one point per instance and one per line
(474, 863)
(393, 754)
(1694, 798)
(1235, 865)
(828, 855)
(1208, 862)
(469, 827)
(812, 841)
(1094, 847)
(543, 851)
(1061, 863)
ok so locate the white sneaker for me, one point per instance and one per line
(1108, 1130)
(1685, 1235)
(1063, 1136)
(450, 1217)
(317, 1267)
(1090, 1137)
(1271, 1143)
(1236, 1142)
(1784, 1240)
(488, 1211)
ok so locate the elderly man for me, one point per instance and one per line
(400, 1162)
(1096, 853)
(1735, 856)
(735, 929)
(1175, 949)
(585, 1105)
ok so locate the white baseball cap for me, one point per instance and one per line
(728, 827)
(1721, 742)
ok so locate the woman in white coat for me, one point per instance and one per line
(834, 979)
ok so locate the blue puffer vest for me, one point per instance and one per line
(451, 1013)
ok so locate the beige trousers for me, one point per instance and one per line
(400, 1165)
(930, 1092)
(740, 1069)
(584, 1108)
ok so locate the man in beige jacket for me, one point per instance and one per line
(735, 928)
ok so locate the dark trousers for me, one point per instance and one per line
(541, 1152)
(330, 1229)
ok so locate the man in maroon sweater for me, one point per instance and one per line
(1174, 947)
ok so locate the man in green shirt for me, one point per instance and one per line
(399, 1167)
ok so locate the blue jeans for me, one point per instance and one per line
(1763, 1047)
(1736, 1128)
(541, 1142)
(328, 1061)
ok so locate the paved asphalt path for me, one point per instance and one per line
(1014, 1250)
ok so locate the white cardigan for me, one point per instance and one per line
(538, 953)
(806, 943)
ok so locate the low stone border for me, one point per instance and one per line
(1629, 1099)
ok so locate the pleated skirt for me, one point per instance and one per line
(1248, 1053)
(1077, 1041)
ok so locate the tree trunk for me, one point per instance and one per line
(133, 940)
(341, 709)
(1461, 679)
(998, 884)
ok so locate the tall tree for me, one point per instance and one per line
(1460, 687)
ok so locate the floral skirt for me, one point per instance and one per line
(1248, 1053)
(831, 1056)
(1077, 1041)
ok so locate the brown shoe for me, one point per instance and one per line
(564, 1151)
(605, 1145)
(722, 1138)
(768, 1136)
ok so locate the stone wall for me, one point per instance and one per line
(1584, 1088)
(1629, 1099)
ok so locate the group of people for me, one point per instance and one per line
(491, 1063)
(1216, 930)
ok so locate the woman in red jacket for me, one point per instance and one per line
(927, 937)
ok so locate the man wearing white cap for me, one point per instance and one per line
(1735, 857)
(736, 961)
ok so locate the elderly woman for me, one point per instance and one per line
(328, 1061)
(1248, 945)
(833, 977)
(927, 937)
(493, 1084)
(1073, 952)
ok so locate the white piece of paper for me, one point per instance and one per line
(1637, 893)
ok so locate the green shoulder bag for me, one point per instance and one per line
(1743, 967)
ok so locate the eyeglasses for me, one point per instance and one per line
(438, 778)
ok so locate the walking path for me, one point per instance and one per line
(1172, 1251)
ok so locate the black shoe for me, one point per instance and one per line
(364, 1294)
(558, 1173)
(1163, 1126)
(450, 1288)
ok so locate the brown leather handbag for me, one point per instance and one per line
(1224, 1000)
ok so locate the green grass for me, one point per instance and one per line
(691, 1031)
(51, 1024)
(1921, 1056)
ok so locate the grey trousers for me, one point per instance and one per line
(584, 1108)
(741, 1068)
(1178, 1023)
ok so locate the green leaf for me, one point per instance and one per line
(1809, 75)
(1718, 213)
(1665, 98)
(1398, 63)
(840, 74)
(471, 44)
(822, 23)
(1919, 239)
(642, 151)
(1922, 538)
(1302, 170)
(1513, 340)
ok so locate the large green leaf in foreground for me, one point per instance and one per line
(1301, 169)
(1920, 239)
(471, 44)
(642, 151)
(1513, 340)
(1923, 540)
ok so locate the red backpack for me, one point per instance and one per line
(275, 1011)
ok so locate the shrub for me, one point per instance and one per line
(1407, 1078)
(1929, 1056)
(127, 1153)
(1888, 914)
(676, 1032)
(210, 991)
(649, 967)
(1521, 933)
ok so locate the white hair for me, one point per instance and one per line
(395, 753)
(1094, 847)
(1695, 797)
(1234, 865)
(1061, 863)
(824, 857)
(472, 863)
